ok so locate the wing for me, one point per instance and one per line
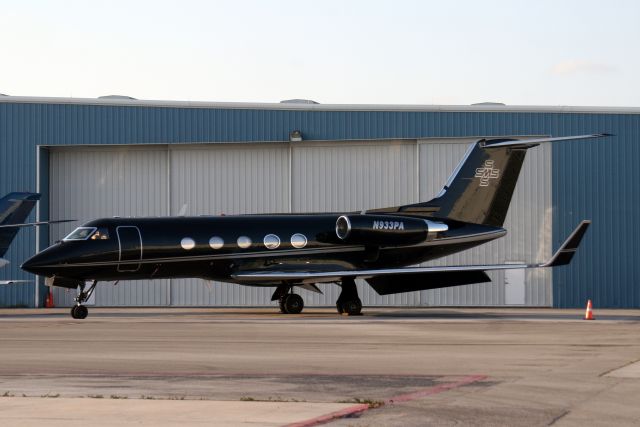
(456, 275)
(35, 224)
(12, 282)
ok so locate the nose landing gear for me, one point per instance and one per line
(80, 311)
(348, 302)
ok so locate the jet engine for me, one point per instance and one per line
(385, 230)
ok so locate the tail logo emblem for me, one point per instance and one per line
(486, 173)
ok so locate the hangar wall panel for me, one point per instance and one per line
(352, 176)
(89, 183)
(528, 223)
(229, 179)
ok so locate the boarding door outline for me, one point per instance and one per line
(129, 247)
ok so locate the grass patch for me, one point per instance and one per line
(372, 403)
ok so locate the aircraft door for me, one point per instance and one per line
(130, 247)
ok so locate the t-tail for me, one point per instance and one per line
(479, 190)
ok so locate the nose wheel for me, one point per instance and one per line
(348, 302)
(80, 311)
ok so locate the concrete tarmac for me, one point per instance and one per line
(254, 366)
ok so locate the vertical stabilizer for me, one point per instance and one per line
(14, 209)
(479, 190)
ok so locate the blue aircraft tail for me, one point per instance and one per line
(14, 209)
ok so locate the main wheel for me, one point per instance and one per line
(283, 310)
(352, 307)
(293, 304)
(339, 307)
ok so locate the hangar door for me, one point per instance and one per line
(210, 179)
(92, 182)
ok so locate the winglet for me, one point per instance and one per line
(565, 253)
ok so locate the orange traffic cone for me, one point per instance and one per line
(48, 301)
(588, 315)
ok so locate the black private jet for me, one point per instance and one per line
(301, 250)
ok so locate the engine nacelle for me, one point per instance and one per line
(384, 230)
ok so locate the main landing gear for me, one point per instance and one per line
(348, 302)
(288, 302)
(79, 311)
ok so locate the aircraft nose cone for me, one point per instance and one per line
(36, 264)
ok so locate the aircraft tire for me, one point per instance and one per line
(293, 304)
(352, 307)
(82, 312)
(281, 305)
(79, 312)
(339, 307)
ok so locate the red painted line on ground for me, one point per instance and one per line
(356, 409)
(435, 390)
(331, 416)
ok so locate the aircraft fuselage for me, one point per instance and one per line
(214, 248)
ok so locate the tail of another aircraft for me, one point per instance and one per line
(14, 209)
(479, 190)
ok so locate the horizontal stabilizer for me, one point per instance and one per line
(526, 143)
(13, 282)
(35, 224)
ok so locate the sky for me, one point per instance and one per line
(561, 52)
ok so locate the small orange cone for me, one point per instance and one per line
(48, 301)
(588, 315)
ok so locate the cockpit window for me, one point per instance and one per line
(100, 234)
(80, 233)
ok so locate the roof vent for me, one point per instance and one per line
(489, 103)
(117, 97)
(298, 101)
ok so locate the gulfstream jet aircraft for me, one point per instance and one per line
(290, 250)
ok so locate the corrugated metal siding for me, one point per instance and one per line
(599, 180)
(228, 179)
(349, 176)
(528, 222)
(606, 266)
(91, 183)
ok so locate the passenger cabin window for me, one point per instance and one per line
(80, 233)
(100, 234)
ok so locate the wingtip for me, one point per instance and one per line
(565, 253)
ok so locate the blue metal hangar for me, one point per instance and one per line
(118, 156)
